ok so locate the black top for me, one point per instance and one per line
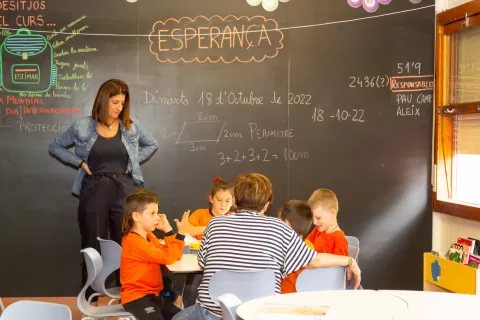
(108, 155)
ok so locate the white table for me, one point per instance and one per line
(423, 305)
(348, 304)
(188, 264)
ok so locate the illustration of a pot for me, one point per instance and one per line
(26, 63)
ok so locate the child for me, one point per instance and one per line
(327, 236)
(221, 198)
(142, 255)
(298, 215)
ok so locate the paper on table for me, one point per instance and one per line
(292, 312)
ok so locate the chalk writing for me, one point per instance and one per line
(407, 98)
(209, 117)
(226, 39)
(23, 20)
(299, 99)
(196, 148)
(411, 83)
(408, 111)
(261, 155)
(377, 81)
(262, 133)
(31, 127)
(354, 115)
(409, 67)
(157, 98)
(231, 135)
(230, 98)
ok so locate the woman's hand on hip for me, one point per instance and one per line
(86, 168)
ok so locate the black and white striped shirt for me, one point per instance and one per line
(249, 241)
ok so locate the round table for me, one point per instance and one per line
(347, 304)
(423, 305)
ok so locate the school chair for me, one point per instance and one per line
(353, 241)
(229, 304)
(94, 264)
(353, 247)
(321, 279)
(36, 310)
(246, 284)
(110, 253)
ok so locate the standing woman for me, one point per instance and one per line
(109, 147)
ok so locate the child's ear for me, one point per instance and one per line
(210, 198)
(136, 216)
(333, 211)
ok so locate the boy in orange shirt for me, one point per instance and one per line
(221, 198)
(327, 236)
(142, 255)
(298, 215)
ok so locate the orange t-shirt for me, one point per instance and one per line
(200, 218)
(334, 243)
(140, 272)
(288, 285)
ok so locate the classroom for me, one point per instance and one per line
(239, 159)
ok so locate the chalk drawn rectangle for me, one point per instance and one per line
(201, 131)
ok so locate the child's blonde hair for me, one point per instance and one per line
(324, 198)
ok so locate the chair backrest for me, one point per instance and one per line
(36, 310)
(353, 241)
(229, 304)
(1, 306)
(111, 253)
(245, 284)
(94, 264)
(353, 252)
(353, 247)
(321, 279)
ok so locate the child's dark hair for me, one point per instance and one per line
(136, 202)
(220, 184)
(299, 215)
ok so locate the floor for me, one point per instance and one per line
(71, 302)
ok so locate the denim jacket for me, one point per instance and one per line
(83, 133)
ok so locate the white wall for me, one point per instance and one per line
(446, 228)
(441, 5)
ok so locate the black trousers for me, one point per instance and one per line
(190, 290)
(102, 198)
(152, 307)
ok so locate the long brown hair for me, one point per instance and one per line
(136, 202)
(107, 90)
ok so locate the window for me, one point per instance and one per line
(457, 102)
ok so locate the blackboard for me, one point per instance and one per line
(313, 94)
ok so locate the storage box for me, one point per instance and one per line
(440, 274)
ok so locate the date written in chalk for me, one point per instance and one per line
(354, 115)
(251, 98)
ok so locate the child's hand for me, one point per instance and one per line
(182, 226)
(163, 224)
